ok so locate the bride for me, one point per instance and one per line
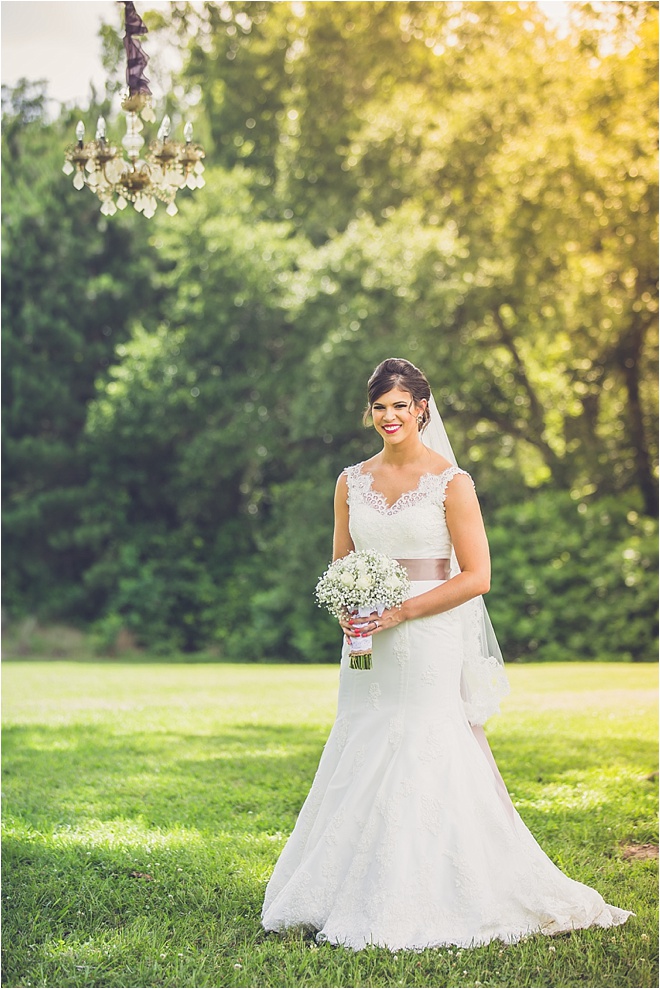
(408, 837)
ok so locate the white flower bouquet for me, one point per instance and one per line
(359, 584)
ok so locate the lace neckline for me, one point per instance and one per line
(406, 498)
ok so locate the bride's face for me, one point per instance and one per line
(394, 416)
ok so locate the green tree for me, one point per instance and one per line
(189, 424)
(71, 282)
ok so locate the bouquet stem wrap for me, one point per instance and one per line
(361, 646)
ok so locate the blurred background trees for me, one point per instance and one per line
(450, 182)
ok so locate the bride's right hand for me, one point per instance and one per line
(346, 626)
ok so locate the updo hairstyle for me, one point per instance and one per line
(396, 372)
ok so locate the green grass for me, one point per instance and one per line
(145, 806)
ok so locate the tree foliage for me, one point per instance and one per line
(71, 284)
(453, 183)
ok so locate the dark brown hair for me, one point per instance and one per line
(396, 372)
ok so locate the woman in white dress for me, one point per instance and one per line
(408, 838)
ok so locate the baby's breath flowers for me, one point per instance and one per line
(359, 584)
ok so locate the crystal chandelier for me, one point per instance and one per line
(167, 165)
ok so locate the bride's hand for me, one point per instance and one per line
(375, 623)
(346, 627)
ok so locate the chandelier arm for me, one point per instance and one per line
(167, 166)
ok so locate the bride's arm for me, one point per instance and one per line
(342, 544)
(466, 528)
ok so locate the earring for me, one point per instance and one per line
(420, 419)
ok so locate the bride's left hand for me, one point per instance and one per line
(375, 623)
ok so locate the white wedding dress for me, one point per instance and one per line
(406, 839)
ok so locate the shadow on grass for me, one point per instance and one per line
(57, 776)
(549, 757)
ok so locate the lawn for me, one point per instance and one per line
(145, 805)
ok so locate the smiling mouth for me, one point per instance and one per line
(391, 429)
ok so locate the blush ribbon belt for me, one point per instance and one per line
(426, 569)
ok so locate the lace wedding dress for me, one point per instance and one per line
(406, 839)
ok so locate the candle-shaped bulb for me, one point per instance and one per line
(164, 130)
(188, 132)
(80, 130)
(100, 129)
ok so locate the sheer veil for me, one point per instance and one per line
(483, 680)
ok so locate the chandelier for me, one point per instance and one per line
(119, 179)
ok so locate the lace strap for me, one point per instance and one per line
(444, 479)
(355, 480)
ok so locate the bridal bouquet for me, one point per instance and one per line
(359, 584)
